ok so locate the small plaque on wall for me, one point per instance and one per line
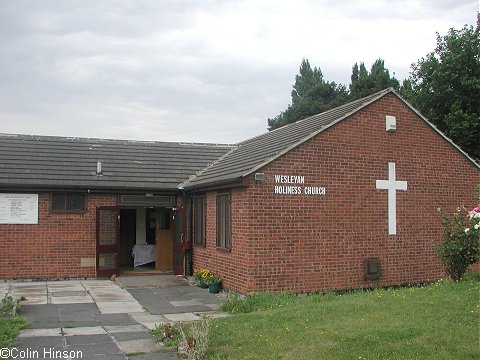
(18, 208)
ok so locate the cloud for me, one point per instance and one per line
(192, 70)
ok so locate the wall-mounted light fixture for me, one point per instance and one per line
(259, 176)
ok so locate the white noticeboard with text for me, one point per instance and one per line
(18, 208)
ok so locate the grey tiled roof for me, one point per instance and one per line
(58, 162)
(250, 155)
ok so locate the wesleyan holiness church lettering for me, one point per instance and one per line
(297, 187)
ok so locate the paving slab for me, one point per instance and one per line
(123, 336)
(88, 339)
(90, 330)
(76, 324)
(92, 351)
(150, 321)
(28, 291)
(41, 316)
(28, 284)
(32, 300)
(77, 312)
(177, 310)
(138, 345)
(111, 299)
(111, 309)
(71, 285)
(146, 281)
(41, 341)
(178, 299)
(40, 332)
(111, 357)
(155, 324)
(71, 299)
(183, 317)
(79, 308)
(146, 317)
(163, 355)
(115, 319)
(192, 302)
(126, 328)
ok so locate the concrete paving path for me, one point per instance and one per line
(101, 319)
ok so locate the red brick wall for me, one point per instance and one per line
(54, 247)
(311, 243)
(232, 265)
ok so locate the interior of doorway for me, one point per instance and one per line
(150, 229)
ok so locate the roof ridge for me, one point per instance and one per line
(106, 140)
(200, 172)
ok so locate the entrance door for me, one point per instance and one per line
(179, 241)
(108, 242)
(163, 240)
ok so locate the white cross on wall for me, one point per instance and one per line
(392, 186)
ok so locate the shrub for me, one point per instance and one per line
(194, 342)
(460, 248)
(168, 334)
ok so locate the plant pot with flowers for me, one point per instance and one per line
(200, 275)
(214, 283)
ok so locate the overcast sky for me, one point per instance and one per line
(195, 71)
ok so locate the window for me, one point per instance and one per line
(223, 221)
(68, 202)
(199, 220)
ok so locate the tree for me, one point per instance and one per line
(445, 87)
(311, 95)
(364, 83)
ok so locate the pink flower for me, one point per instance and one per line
(474, 211)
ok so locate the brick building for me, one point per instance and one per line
(344, 199)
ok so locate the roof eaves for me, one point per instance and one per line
(219, 184)
(315, 133)
(431, 125)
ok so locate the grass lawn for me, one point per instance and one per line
(9, 326)
(437, 321)
(9, 329)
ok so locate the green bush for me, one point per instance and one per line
(460, 248)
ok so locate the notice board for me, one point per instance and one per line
(18, 208)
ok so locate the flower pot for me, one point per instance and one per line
(202, 284)
(214, 288)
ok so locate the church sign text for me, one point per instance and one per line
(293, 186)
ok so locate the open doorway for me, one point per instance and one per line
(147, 241)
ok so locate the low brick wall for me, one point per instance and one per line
(61, 245)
